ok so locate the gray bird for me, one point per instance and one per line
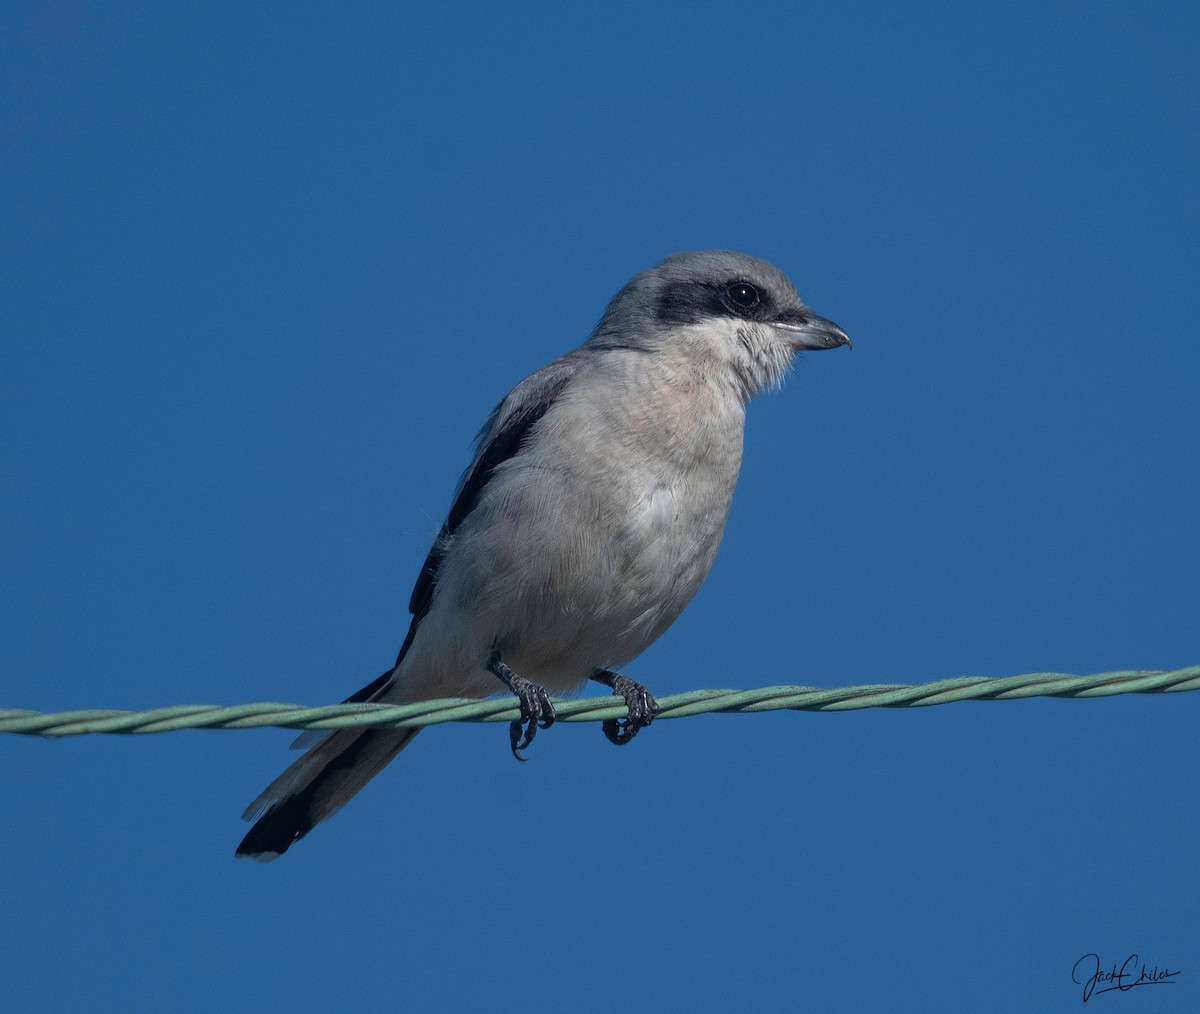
(586, 521)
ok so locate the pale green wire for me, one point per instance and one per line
(594, 709)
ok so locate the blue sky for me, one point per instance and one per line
(265, 272)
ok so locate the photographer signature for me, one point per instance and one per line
(1124, 979)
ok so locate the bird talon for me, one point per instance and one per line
(619, 731)
(640, 705)
(537, 710)
(514, 740)
(546, 715)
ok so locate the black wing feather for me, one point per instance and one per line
(503, 444)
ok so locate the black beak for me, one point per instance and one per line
(815, 333)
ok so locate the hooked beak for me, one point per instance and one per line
(814, 333)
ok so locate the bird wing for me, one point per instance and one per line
(501, 438)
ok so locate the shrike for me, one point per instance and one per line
(586, 521)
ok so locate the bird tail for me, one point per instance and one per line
(319, 784)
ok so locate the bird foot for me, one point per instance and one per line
(537, 710)
(639, 702)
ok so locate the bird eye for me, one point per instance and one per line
(743, 294)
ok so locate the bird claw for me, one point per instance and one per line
(640, 704)
(537, 712)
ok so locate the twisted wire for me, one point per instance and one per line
(595, 709)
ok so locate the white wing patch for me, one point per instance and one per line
(661, 510)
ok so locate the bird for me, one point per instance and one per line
(588, 518)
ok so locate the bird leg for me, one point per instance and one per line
(536, 707)
(639, 702)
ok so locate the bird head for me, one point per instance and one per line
(723, 311)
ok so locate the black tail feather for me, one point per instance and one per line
(316, 786)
